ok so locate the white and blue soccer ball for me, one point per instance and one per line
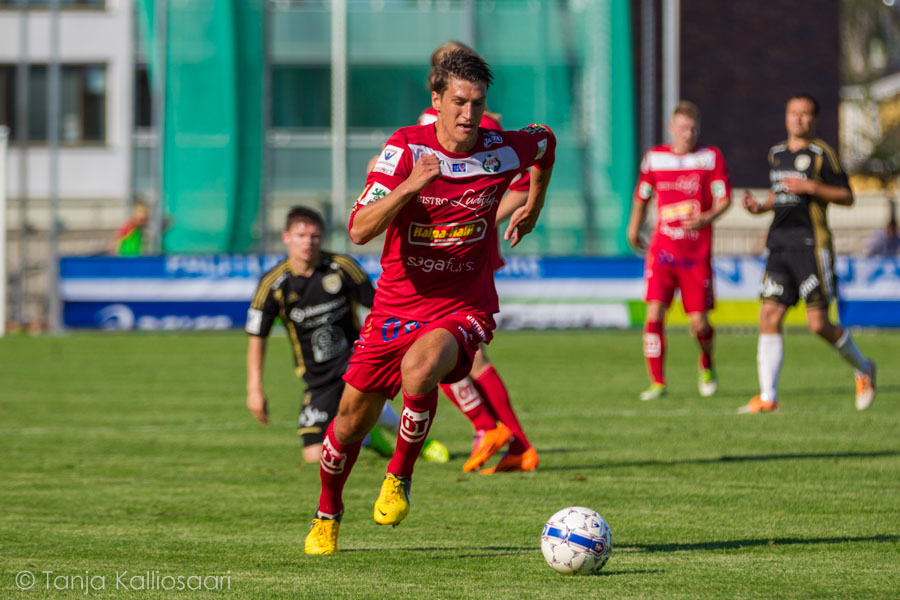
(576, 541)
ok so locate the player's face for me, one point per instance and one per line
(685, 132)
(303, 241)
(459, 109)
(799, 118)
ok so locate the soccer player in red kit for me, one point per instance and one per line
(434, 193)
(481, 396)
(692, 190)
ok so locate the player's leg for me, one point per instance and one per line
(432, 451)
(314, 418)
(357, 414)
(468, 400)
(696, 283)
(655, 348)
(425, 363)
(521, 455)
(703, 331)
(769, 357)
(844, 344)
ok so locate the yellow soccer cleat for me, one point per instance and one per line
(654, 392)
(392, 505)
(436, 452)
(489, 444)
(707, 382)
(322, 536)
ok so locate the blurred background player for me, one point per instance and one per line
(886, 242)
(692, 190)
(482, 396)
(316, 294)
(129, 238)
(806, 176)
(436, 297)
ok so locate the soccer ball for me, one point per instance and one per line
(576, 541)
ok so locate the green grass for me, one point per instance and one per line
(135, 453)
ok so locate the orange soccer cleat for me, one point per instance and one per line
(489, 445)
(865, 388)
(758, 405)
(527, 461)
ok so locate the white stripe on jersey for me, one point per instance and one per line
(667, 161)
(488, 162)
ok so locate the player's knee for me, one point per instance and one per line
(419, 374)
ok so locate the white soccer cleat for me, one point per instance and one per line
(707, 382)
(865, 388)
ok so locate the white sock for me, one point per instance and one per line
(846, 347)
(389, 417)
(769, 356)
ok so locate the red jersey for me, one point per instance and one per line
(685, 184)
(521, 182)
(437, 255)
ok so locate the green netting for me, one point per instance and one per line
(213, 129)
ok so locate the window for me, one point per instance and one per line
(82, 103)
(143, 98)
(46, 3)
(301, 96)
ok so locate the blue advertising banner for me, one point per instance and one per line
(214, 291)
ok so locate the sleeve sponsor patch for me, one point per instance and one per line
(645, 190)
(388, 160)
(718, 189)
(542, 148)
(254, 321)
(491, 138)
(536, 128)
(374, 192)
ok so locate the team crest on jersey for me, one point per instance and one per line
(331, 283)
(447, 234)
(491, 138)
(536, 128)
(388, 160)
(458, 167)
(491, 163)
(802, 161)
(374, 192)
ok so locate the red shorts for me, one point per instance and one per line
(383, 341)
(665, 272)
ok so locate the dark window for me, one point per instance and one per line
(143, 98)
(301, 96)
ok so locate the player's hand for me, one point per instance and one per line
(634, 238)
(796, 185)
(259, 406)
(748, 201)
(697, 221)
(521, 223)
(426, 170)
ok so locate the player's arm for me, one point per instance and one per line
(371, 220)
(720, 190)
(524, 218)
(256, 398)
(636, 221)
(753, 206)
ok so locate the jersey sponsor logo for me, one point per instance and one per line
(254, 321)
(332, 461)
(678, 210)
(447, 234)
(301, 314)
(458, 167)
(802, 162)
(771, 288)
(689, 185)
(331, 283)
(432, 200)
(388, 160)
(652, 345)
(374, 192)
(491, 138)
(441, 265)
(477, 327)
(809, 285)
(328, 342)
(414, 425)
(704, 160)
(491, 163)
(541, 149)
(535, 128)
(470, 200)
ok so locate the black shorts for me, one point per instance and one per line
(800, 273)
(320, 406)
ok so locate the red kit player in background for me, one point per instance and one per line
(434, 192)
(692, 190)
(482, 396)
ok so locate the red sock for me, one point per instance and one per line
(494, 393)
(706, 347)
(334, 469)
(467, 399)
(655, 350)
(415, 421)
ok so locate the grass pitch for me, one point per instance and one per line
(135, 454)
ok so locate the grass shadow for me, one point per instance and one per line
(750, 543)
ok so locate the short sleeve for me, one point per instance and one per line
(263, 308)
(832, 172)
(646, 184)
(535, 145)
(720, 183)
